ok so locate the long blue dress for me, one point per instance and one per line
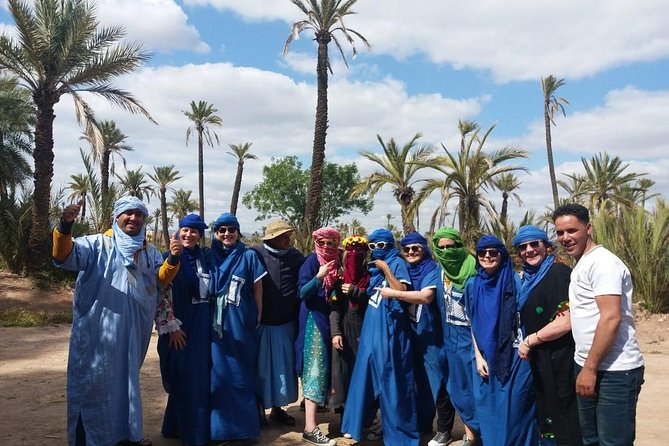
(112, 318)
(234, 404)
(384, 368)
(185, 372)
(506, 410)
(429, 359)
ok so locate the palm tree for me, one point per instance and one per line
(398, 168)
(134, 183)
(156, 219)
(357, 228)
(576, 187)
(325, 18)
(469, 175)
(164, 176)
(80, 189)
(507, 183)
(241, 152)
(61, 49)
(181, 203)
(204, 117)
(552, 104)
(17, 118)
(644, 185)
(111, 143)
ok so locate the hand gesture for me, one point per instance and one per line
(177, 339)
(386, 292)
(71, 212)
(175, 245)
(338, 342)
(382, 266)
(324, 270)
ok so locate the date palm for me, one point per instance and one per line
(326, 19)
(80, 189)
(60, 50)
(110, 144)
(399, 166)
(507, 183)
(164, 177)
(181, 203)
(241, 152)
(134, 183)
(203, 116)
(552, 103)
(606, 179)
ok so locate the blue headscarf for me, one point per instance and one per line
(223, 261)
(192, 255)
(418, 271)
(387, 255)
(126, 245)
(493, 304)
(532, 275)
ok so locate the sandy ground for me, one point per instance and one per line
(33, 363)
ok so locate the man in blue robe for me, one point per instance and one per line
(115, 300)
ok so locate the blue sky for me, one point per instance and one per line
(432, 62)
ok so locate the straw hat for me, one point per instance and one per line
(276, 228)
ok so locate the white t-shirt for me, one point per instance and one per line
(599, 272)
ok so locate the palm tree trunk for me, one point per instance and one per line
(549, 153)
(104, 174)
(200, 171)
(313, 205)
(235, 191)
(39, 244)
(505, 208)
(163, 216)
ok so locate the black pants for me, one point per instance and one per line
(445, 411)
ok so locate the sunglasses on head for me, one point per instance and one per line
(533, 244)
(379, 245)
(328, 243)
(224, 229)
(492, 252)
(412, 248)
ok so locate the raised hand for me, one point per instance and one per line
(175, 245)
(324, 270)
(71, 212)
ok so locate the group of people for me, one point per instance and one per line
(390, 335)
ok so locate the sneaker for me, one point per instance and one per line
(281, 416)
(375, 433)
(316, 437)
(441, 439)
(347, 435)
(467, 442)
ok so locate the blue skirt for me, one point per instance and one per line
(277, 380)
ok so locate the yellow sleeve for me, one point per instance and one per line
(62, 245)
(167, 273)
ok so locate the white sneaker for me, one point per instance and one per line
(347, 435)
(441, 439)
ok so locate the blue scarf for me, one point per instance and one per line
(418, 271)
(494, 315)
(387, 255)
(127, 245)
(189, 258)
(532, 275)
(223, 262)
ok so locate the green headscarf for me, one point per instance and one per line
(458, 264)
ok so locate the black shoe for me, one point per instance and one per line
(281, 416)
(316, 437)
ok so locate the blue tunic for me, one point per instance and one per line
(185, 372)
(112, 319)
(506, 410)
(430, 367)
(234, 405)
(459, 351)
(384, 369)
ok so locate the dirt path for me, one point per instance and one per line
(32, 382)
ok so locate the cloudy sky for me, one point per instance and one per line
(432, 62)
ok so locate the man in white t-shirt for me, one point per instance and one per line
(609, 364)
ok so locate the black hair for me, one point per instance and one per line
(577, 210)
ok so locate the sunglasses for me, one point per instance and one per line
(328, 243)
(533, 244)
(379, 245)
(490, 252)
(224, 229)
(412, 248)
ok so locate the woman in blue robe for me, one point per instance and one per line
(383, 369)
(503, 383)
(237, 305)
(185, 353)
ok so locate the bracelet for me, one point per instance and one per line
(539, 337)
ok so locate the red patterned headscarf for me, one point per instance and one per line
(327, 254)
(355, 271)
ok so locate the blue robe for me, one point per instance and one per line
(185, 373)
(430, 367)
(234, 404)
(384, 369)
(506, 410)
(459, 353)
(112, 319)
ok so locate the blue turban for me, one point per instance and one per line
(426, 265)
(193, 221)
(381, 235)
(529, 233)
(127, 203)
(226, 219)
